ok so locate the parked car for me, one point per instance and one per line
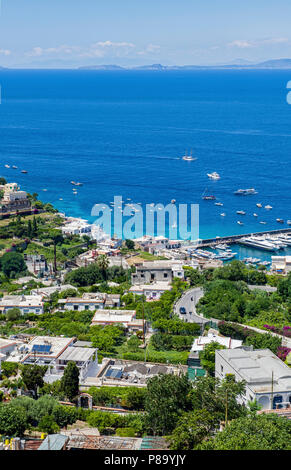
(182, 310)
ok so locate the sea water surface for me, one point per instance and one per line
(124, 133)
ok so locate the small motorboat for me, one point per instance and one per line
(281, 221)
(239, 222)
(241, 212)
(213, 176)
(23, 171)
(268, 207)
(259, 205)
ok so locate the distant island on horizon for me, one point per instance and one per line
(272, 64)
(269, 64)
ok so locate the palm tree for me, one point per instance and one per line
(103, 264)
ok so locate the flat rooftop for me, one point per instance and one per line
(40, 347)
(21, 301)
(73, 353)
(199, 343)
(154, 286)
(122, 316)
(256, 368)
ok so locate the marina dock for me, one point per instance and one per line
(212, 242)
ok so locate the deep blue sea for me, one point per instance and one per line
(124, 133)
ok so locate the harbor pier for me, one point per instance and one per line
(212, 242)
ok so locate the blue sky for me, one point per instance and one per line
(69, 33)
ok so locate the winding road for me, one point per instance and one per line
(189, 300)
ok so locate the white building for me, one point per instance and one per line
(86, 359)
(151, 291)
(25, 303)
(157, 271)
(114, 317)
(229, 343)
(76, 226)
(48, 291)
(13, 193)
(41, 350)
(268, 379)
(14, 199)
(281, 264)
(90, 301)
(7, 346)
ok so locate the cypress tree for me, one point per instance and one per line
(70, 381)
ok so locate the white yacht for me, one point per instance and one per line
(259, 205)
(218, 204)
(223, 214)
(257, 243)
(213, 176)
(255, 215)
(7, 166)
(241, 212)
(239, 222)
(268, 207)
(245, 192)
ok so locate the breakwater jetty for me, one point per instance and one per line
(212, 242)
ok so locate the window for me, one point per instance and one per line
(76, 307)
(221, 369)
(165, 275)
(86, 307)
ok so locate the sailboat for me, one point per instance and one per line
(189, 158)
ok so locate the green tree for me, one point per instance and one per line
(64, 416)
(255, 432)
(103, 264)
(13, 314)
(57, 237)
(13, 421)
(166, 399)
(47, 424)
(29, 229)
(87, 240)
(207, 356)
(135, 398)
(219, 397)
(34, 227)
(192, 429)
(70, 381)
(9, 369)
(129, 244)
(12, 263)
(32, 376)
(133, 343)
